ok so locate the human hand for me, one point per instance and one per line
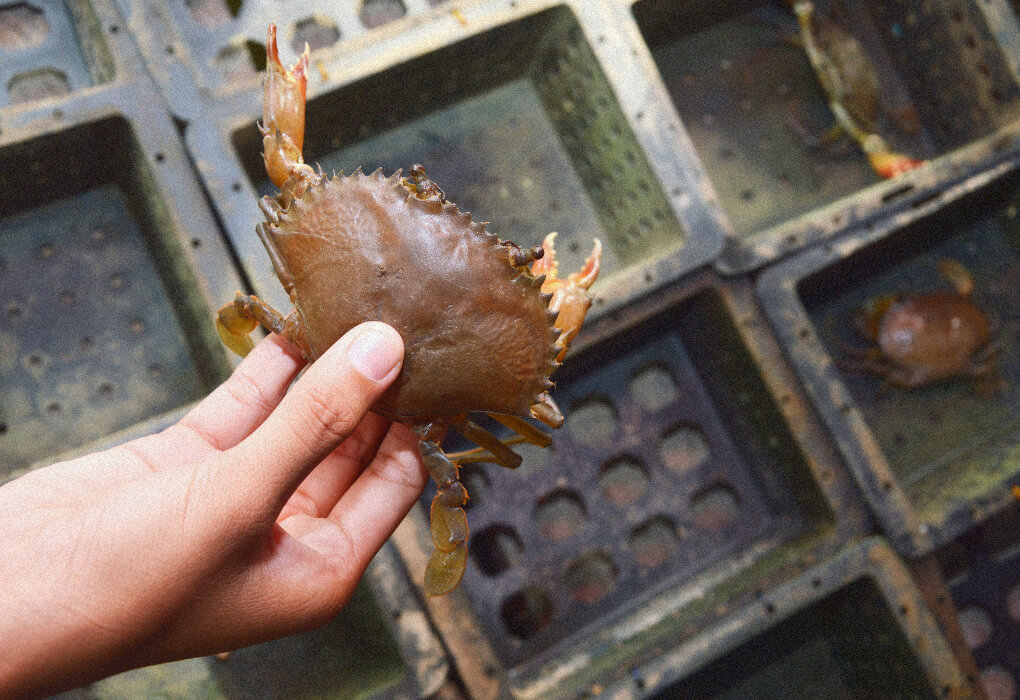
(251, 518)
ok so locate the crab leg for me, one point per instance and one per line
(526, 430)
(479, 455)
(237, 319)
(235, 327)
(449, 526)
(480, 436)
(283, 114)
(958, 275)
(526, 433)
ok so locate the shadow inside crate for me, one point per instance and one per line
(847, 645)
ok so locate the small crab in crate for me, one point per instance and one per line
(921, 339)
(851, 82)
(484, 322)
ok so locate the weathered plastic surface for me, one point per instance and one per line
(670, 462)
(936, 459)
(100, 329)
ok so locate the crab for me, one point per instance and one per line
(484, 322)
(850, 80)
(921, 339)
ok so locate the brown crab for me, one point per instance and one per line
(850, 80)
(920, 339)
(482, 328)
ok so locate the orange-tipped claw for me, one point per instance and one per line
(547, 265)
(283, 112)
(570, 297)
(888, 164)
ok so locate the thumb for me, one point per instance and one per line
(322, 408)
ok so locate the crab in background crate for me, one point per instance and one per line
(484, 322)
(920, 339)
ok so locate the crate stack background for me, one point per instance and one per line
(728, 511)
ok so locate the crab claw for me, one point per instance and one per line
(283, 112)
(570, 297)
(889, 165)
(958, 275)
(884, 161)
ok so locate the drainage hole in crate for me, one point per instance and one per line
(240, 60)
(654, 387)
(683, 449)
(533, 460)
(212, 13)
(496, 549)
(976, 626)
(22, 26)
(316, 31)
(105, 390)
(560, 514)
(527, 612)
(623, 481)
(476, 483)
(654, 541)
(998, 683)
(375, 13)
(715, 507)
(38, 85)
(592, 421)
(1013, 603)
(34, 363)
(591, 577)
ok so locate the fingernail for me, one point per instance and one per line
(374, 354)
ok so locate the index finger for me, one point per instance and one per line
(240, 404)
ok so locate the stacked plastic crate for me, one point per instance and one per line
(733, 509)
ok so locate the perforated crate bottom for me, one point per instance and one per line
(668, 463)
(984, 571)
(89, 342)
